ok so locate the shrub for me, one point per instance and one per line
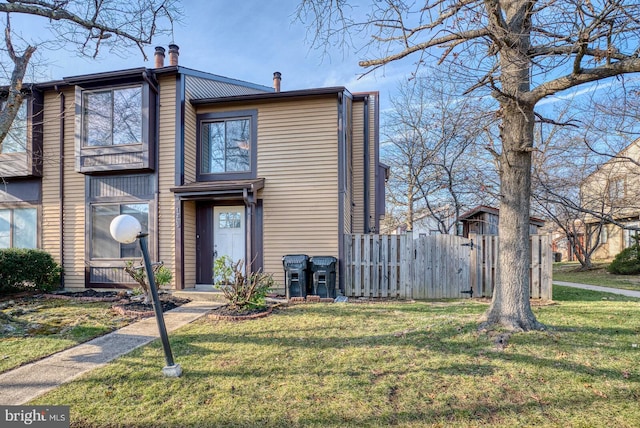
(242, 291)
(26, 269)
(161, 274)
(627, 262)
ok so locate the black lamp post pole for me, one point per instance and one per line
(157, 307)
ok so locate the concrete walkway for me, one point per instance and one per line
(32, 380)
(629, 293)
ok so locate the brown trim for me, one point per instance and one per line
(272, 95)
(217, 189)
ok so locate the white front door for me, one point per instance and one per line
(228, 232)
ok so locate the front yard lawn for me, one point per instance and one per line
(357, 365)
(570, 272)
(34, 327)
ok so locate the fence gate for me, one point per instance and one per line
(441, 267)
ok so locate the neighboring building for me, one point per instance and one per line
(483, 220)
(613, 191)
(209, 165)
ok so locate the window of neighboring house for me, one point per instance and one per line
(103, 246)
(112, 117)
(18, 228)
(616, 189)
(604, 234)
(227, 145)
(630, 236)
(16, 139)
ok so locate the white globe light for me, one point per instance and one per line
(125, 229)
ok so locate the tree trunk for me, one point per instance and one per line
(510, 306)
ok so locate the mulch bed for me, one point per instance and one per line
(90, 296)
(227, 314)
(125, 306)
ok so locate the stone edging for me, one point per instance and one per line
(125, 312)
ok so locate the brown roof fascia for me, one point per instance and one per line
(319, 92)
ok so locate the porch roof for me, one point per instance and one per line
(218, 189)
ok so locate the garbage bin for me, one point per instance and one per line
(323, 269)
(296, 274)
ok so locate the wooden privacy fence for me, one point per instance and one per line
(435, 267)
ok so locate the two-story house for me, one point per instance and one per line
(612, 197)
(208, 164)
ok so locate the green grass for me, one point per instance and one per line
(32, 328)
(570, 272)
(358, 365)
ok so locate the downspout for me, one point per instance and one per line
(367, 192)
(61, 178)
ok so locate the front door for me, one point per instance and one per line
(229, 232)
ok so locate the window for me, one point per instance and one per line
(16, 139)
(616, 190)
(227, 145)
(229, 220)
(112, 117)
(103, 246)
(18, 228)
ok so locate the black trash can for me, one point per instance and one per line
(323, 269)
(296, 274)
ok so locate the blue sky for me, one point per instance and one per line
(242, 39)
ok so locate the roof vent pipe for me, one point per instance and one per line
(277, 78)
(174, 51)
(159, 57)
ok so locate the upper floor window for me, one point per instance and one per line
(616, 190)
(227, 145)
(112, 117)
(16, 139)
(18, 228)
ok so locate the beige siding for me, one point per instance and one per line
(51, 228)
(166, 170)
(301, 186)
(189, 225)
(358, 167)
(74, 218)
(189, 142)
(298, 157)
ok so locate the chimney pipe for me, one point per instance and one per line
(159, 57)
(173, 54)
(277, 78)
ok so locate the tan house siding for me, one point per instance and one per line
(189, 142)
(166, 170)
(51, 229)
(301, 188)
(297, 156)
(74, 217)
(189, 225)
(358, 167)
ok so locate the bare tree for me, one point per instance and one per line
(431, 142)
(87, 26)
(520, 51)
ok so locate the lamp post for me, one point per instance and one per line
(126, 229)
